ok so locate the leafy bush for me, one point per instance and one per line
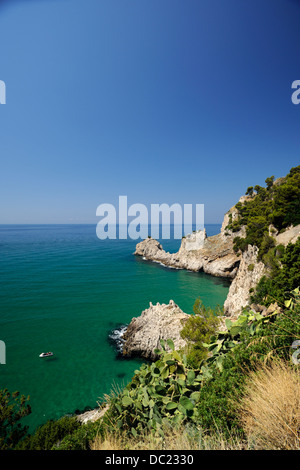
(283, 278)
(81, 437)
(13, 408)
(50, 434)
(197, 330)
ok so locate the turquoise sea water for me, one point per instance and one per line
(64, 290)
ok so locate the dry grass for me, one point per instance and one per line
(270, 409)
(182, 439)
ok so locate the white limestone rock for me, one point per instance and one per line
(160, 321)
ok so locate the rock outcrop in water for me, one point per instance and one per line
(213, 255)
(160, 321)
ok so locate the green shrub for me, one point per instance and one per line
(81, 437)
(284, 277)
(50, 434)
(197, 330)
(13, 408)
(267, 243)
(240, 244)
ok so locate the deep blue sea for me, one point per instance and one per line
(64, 290)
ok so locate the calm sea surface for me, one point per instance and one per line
(64, 290)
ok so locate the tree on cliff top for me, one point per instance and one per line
(13, 407)
(278, 204)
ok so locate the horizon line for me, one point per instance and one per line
(86, 223)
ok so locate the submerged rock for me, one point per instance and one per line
(160, 321)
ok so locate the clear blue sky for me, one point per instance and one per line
(161, 100)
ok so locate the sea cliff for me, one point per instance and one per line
(214, 255)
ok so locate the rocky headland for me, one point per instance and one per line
(251, 247)
(214, 255)
(158, 322)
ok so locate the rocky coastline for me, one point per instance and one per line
(214, 255)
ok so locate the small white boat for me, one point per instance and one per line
(47, 354)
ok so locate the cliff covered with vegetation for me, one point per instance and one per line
(267, 212)
(271, 218)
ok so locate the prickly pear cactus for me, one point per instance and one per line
(164, 392)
